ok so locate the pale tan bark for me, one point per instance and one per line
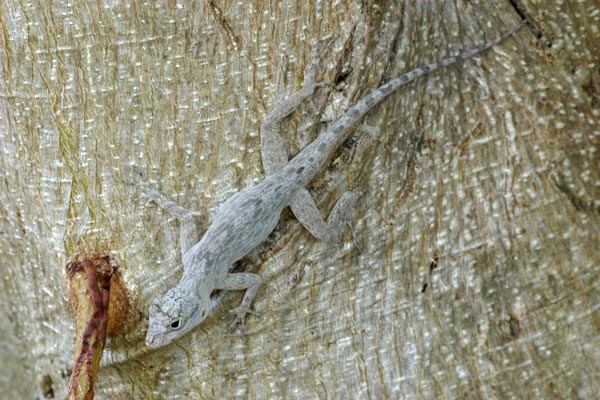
(481, 180)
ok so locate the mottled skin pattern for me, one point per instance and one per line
(250, 215)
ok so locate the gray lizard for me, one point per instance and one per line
(249, 216)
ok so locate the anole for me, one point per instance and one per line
(249, 216)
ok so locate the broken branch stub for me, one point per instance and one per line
(99, 301)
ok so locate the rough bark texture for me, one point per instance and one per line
(477, 275)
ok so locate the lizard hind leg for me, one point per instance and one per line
(273, 147)
(305, 209)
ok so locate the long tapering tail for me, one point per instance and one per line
(313, 157)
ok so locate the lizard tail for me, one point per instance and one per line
(313, 157)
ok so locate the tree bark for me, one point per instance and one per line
(474, 272)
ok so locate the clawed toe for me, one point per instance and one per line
(240, 318)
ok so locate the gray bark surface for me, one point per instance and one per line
(476, 273)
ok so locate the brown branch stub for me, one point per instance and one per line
(100, 304)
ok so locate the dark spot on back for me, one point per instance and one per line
(386, 88)
(299, 170)
(252, 203)
(228, 229)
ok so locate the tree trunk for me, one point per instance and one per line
(472, 266)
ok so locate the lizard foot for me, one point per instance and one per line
(240, 317)
(318, 54)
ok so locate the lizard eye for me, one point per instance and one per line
(176, 324)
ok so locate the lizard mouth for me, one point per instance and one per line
(153, 341)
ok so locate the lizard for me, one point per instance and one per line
(246, 218)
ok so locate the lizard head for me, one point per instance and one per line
(173, 315)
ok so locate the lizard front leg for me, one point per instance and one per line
(189, 232)
(240, 281)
